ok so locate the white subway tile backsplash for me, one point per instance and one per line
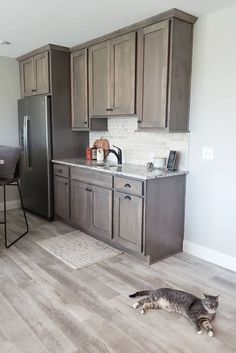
(137, 146)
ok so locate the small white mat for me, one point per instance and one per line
(78, 249)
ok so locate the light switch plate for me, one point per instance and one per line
(207, 152)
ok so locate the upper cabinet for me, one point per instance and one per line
(112, 67)
(99, 77)
(142, 70)
(34, 75)
(164, 73)
(153, 75)
(79, 90)
(123, 71)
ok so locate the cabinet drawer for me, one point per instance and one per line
(61, 170)
(91, 177)
(130, 186)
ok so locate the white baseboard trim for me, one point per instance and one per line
(210, 255)
(11, 205)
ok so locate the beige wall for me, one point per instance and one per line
(9, 93)
(211, 186)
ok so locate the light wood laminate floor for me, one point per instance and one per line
(45, 306)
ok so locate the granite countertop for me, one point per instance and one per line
(126, 169)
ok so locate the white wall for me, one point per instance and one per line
(9, 93)
(211, 186)
(137, 146)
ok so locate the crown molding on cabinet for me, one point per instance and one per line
(151, 20)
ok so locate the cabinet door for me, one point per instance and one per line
(80, 204)
(101, 212)
(79, 90)
(61, 197)
(41, 73)
(123, 58)
(27, 77)
(128, 216)
(99, 79)
(153, 75)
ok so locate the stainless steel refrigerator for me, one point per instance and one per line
(35, 138)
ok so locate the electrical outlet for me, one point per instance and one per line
(207, 152)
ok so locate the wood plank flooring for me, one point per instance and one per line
(45, 306)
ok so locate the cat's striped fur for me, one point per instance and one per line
(200, 311)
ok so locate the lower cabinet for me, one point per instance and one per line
(128, 221)
(145, 218)
(101, 212)
(91, 208)
(61, 197)
(80, 204)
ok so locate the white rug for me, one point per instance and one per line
(78, 249)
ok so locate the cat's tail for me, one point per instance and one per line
(140, 293)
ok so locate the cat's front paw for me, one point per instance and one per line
(142, 312)
(135, 305)
(210, 333)
(199, 332)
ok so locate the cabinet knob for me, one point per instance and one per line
(127, 197)
(139, 121)
(34, 90)
(108, 109)
(85, 122)
(66, 183)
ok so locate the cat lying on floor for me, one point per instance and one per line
(200, 311)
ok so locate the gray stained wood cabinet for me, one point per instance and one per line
(128, 221)
(61, 197)
(153, 65)
(164, 73)
(143, 217)
(112, 67)
(34, 75)
(91, 208)
(79, 90)
(149, 79)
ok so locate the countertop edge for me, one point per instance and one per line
(120, 173)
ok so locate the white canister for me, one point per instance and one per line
(100, 155)
(159, 162)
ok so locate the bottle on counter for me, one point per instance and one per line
(100, 155)
(94, 153)
(88, 153)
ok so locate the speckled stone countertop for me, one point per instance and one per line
(126, 169)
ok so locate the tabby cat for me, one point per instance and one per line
(200, 311)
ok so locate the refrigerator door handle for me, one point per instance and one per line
(26, 144)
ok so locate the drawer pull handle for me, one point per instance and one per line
(127, 186)
(66, 183)
(127, 197)
(87, 189)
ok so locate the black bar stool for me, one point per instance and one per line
(11, 157)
